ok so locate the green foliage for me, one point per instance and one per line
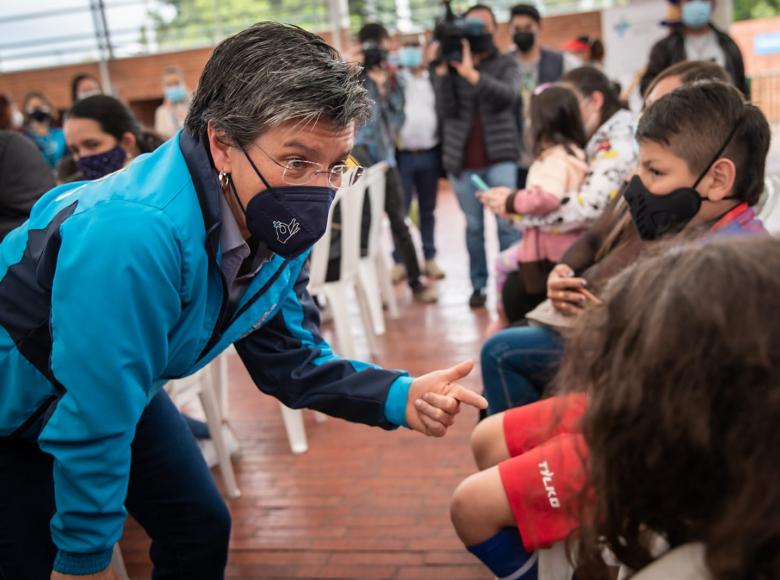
(749, 9)
(195, 21)
(183, 23)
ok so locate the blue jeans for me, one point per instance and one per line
(496, 175)
(171, 493)
(517, 363)
(420, 175)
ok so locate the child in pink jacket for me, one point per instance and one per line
(560, 167)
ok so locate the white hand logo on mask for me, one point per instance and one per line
(285, 231)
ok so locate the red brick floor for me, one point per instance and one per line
(362, 502)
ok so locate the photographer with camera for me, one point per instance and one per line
(477, 89)
(376, 141)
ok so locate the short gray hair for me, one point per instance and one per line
(273, 73)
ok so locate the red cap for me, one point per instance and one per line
(575, 45)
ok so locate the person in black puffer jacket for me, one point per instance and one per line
(476, 101)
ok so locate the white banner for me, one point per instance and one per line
(629, 32)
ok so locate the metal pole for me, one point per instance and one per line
(99, 21)
(403, 11)
(106, 31)
(724, 14)
(339, 20)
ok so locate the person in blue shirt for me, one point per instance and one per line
(116, 286)
(39, 118)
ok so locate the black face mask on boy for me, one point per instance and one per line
(524, 41)
(656, 215)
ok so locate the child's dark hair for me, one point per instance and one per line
(115, 119)
(373, 32)
(74, 85)
(690, 71)
(588, 80)
(556, 119)
(682, 365)
(695, 120)
(595, 47)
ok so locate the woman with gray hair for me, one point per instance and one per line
(116, 286)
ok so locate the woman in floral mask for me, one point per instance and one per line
(104, 136)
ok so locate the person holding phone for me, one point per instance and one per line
(558, 139)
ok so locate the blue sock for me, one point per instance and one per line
(506, 557)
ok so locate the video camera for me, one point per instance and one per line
(452, 30)
(373, 55)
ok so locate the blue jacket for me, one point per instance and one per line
(111, 289)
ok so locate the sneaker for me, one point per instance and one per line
(424, 294)
(209, 450)
(478, 298)
(433, 271)
(397, 273)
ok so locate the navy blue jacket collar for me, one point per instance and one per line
(206, 182)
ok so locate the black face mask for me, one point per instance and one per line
(657, 215)
(289, 220)
(524, 41)
(40, 115)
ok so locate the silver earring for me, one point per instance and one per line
(224, 179)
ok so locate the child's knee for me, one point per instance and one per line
(466, 504)
(487, 442)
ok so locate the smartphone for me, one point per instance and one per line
(479, 183)
(590, 296)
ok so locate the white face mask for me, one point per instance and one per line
(85, 94)
(17, 118)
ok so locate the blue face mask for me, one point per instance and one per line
(289, 220)
(175, 94)
(411, 56)
(696, 14)
(96, 166)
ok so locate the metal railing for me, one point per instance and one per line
(74, 31)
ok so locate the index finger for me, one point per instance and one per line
(460, 370)
(468, 397)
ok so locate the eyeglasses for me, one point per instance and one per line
(302, 172)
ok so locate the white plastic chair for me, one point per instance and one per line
(338, 293)
(219, 369)
(769, 204)
(554, 563)
(373, 270)
(201, 385)
(296, 431)
(293, 418)
(118, 563)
